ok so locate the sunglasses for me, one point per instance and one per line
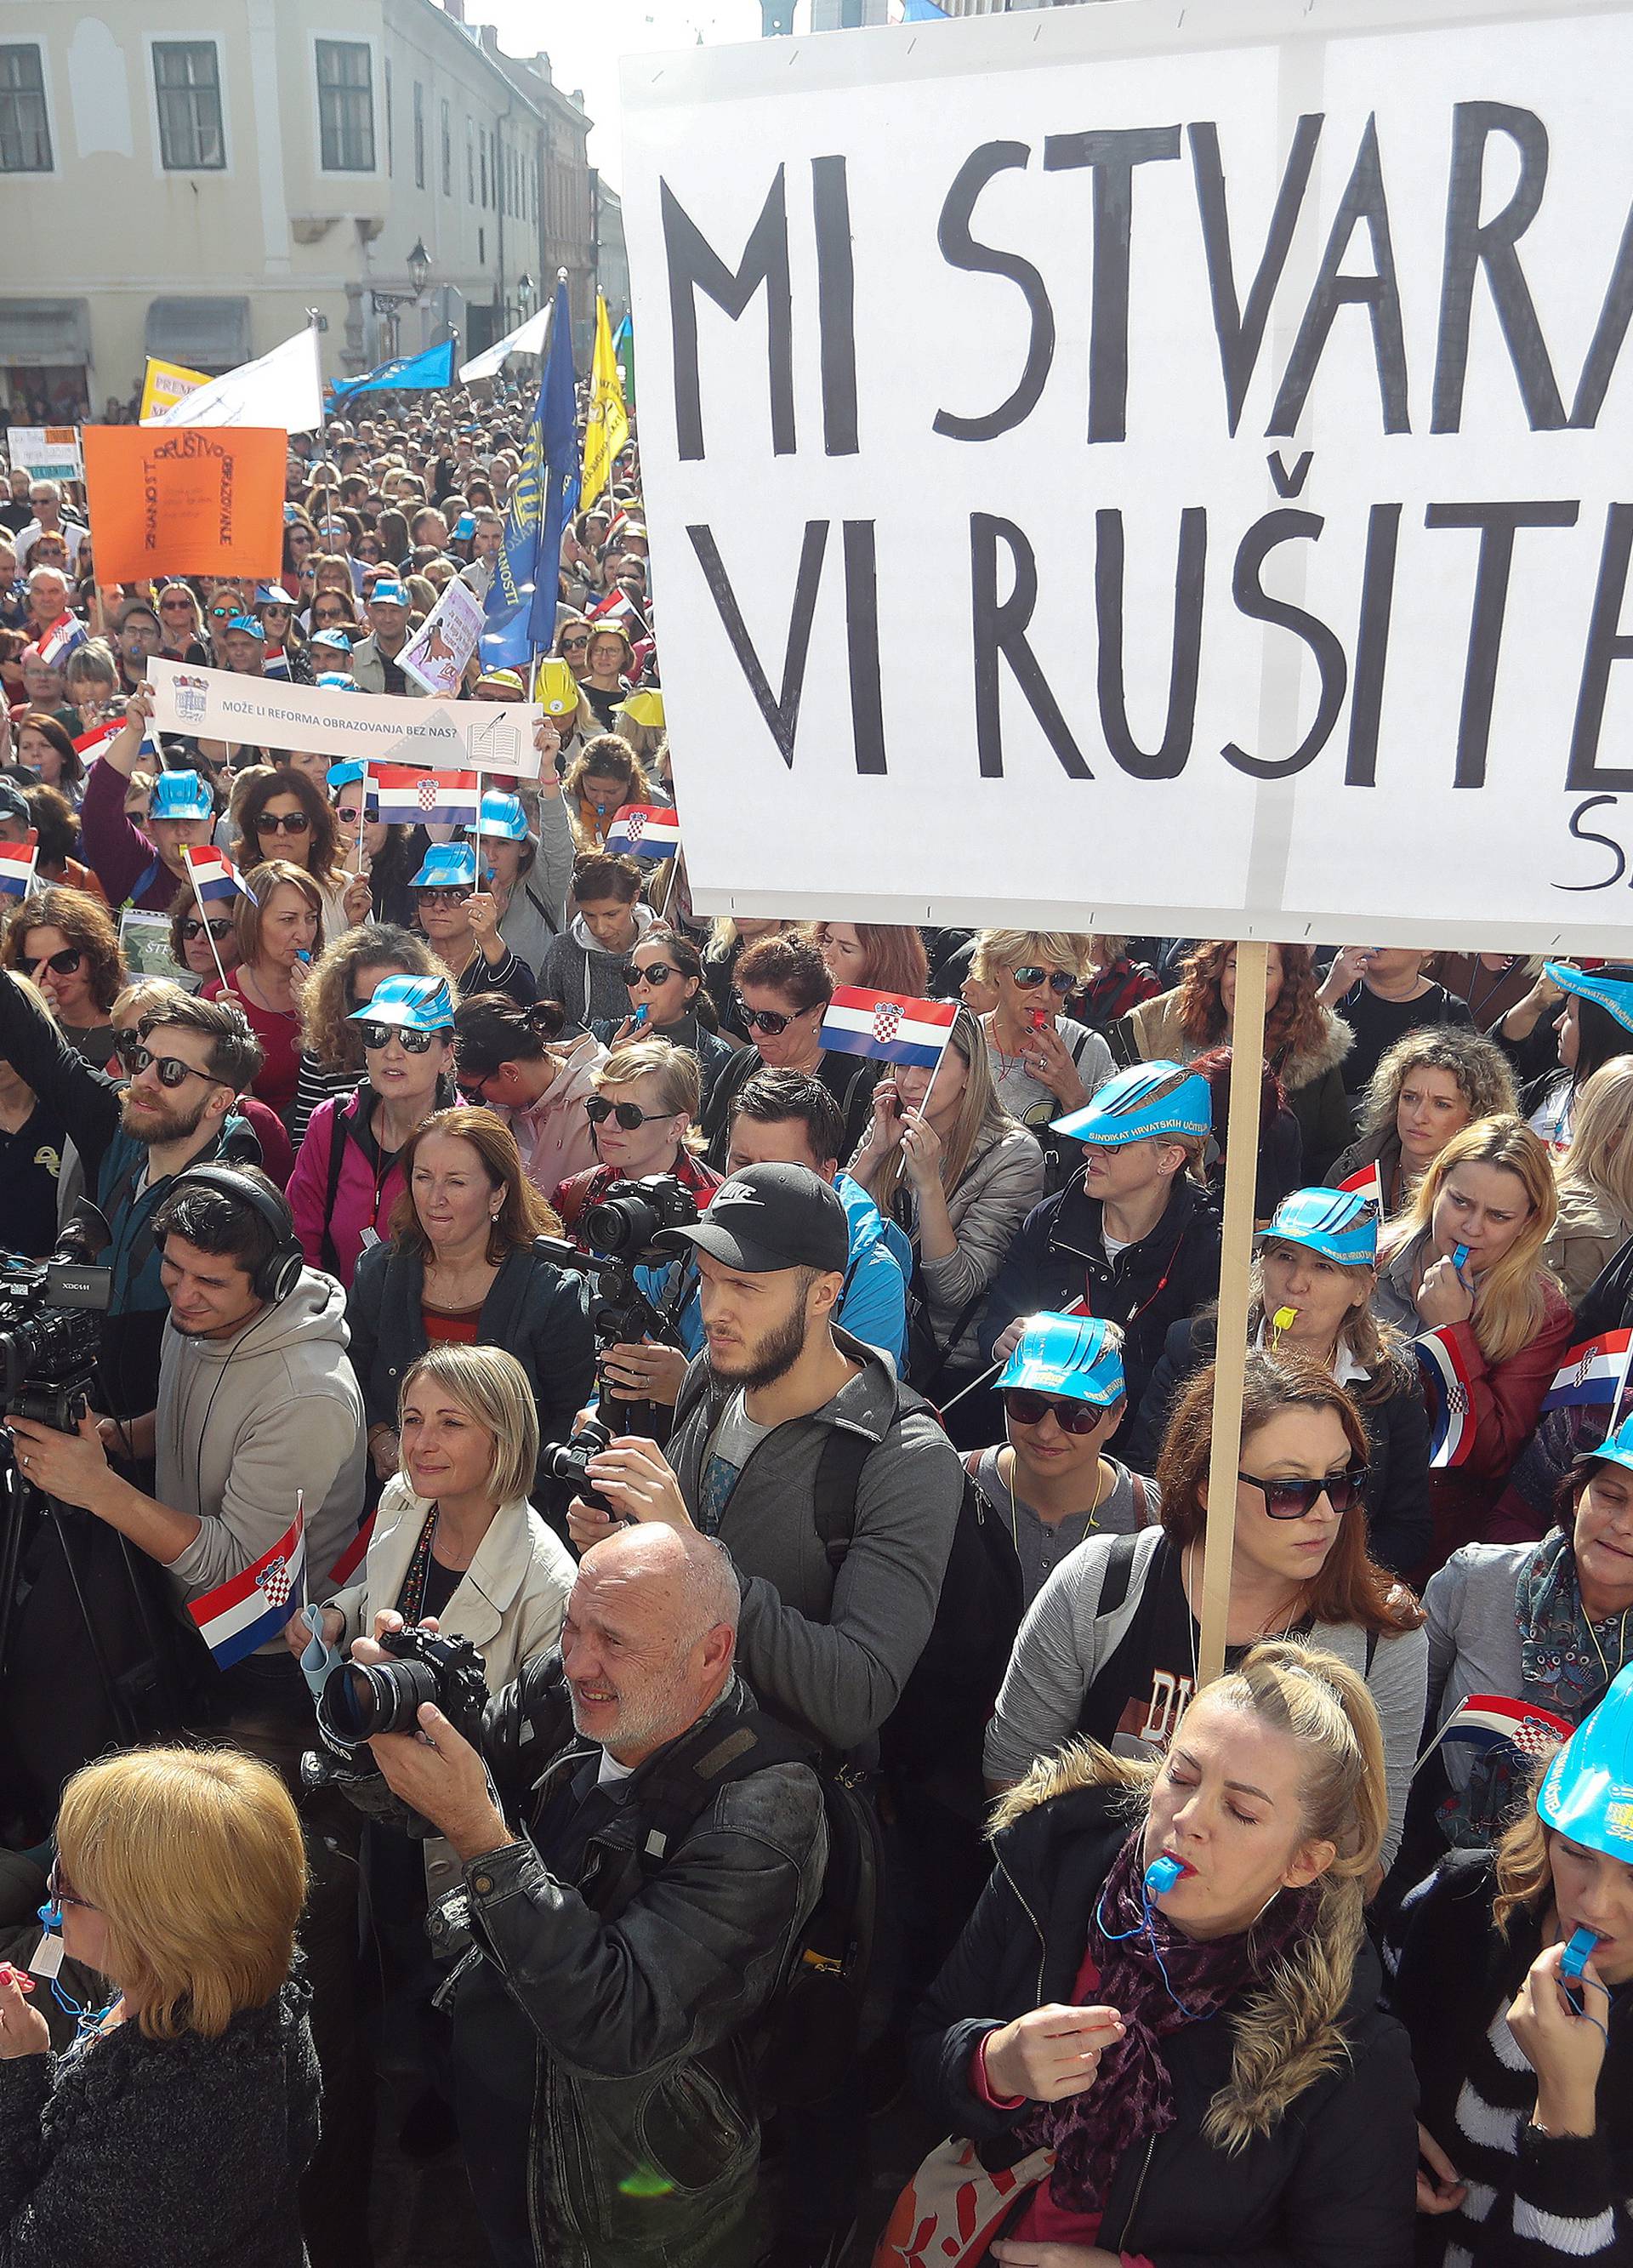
(655, 972)
(63, 963)
(574, 645)
(766, 1020)
(192, 928)
(349, 813)
(58, 1892)
(174, 607)
(443, 898)
(1029, 1409)
(598, 1110)
(221, 614)
(291, 823)
(330, 619)
(1292, 1499)
(376, 1037)
(1029, 976)
(170, 1070)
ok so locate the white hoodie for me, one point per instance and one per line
(245, 1422)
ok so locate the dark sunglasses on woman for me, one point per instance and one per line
(763, 1019)
(193, 928)
(657, 972)
(288, 822)
(1029, 1409)
(1029, 976)
(63, 963)
(598, 1110)
(1292, 1499)
(376, 1037)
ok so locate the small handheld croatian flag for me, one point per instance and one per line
(407, 795)
(1368, 1183)
(888, 1026)
(1450, 1398)
(65, 633)
(90, 745)
(213, 874)
(1593, 1375)
(250, 1609)
(17, 867)
(1488, 1721)
(643, 830)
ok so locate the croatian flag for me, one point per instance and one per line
(1368, 1183)
(408, 795)
(643, 830)
(1593, 1375)
(887, 1026)
(90, 745)
(65, 633)
(1490, 1721)
(1450, 1397)
(617, 611)
(250, 1610)
(17, 868)
(275, 663)
(213, 874)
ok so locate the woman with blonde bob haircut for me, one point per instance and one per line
(1498, 1312)
(1595, 1180)
(177, 2126)
(1043, 1062)
(1072, 2036)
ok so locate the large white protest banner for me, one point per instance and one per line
(1159, 468)
(265, 712)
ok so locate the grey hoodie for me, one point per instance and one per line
(584, 979)
(245, 1422)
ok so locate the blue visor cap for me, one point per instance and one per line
(503, 815)
(346, 775)
(250, 627)
(388, 594)
(1149, 1101)
(417, 1004)
(272, 594)
(180, 795)
(448, 866)
(1068, 1355)
(1341, 1225)
(336, 680)
(1610, 988)
(337, 639)
(1615, 1449)
(1587, 1791)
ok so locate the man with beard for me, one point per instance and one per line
(630, 1938)
(186, 1068)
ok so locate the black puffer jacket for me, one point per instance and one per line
(1399, 1529)
(1330, 2186)
(1058, 1258)
(162, 2153)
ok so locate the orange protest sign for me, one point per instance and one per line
(188, 500)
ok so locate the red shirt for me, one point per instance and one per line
(279, 1033)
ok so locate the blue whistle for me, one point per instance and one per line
(641, 1013)
(1575, 1960)
(1162, 1874)
(1458, 1256)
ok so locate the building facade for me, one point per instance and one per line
(612, 256)
(187, 183)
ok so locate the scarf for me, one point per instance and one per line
(1565, 1662)
(1132, 2097)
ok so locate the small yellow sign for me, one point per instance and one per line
(166, 383)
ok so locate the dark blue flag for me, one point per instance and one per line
(521, 602)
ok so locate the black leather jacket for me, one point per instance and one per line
(635, 1984)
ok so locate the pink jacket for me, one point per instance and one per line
(555, 1137)
(367, 1187)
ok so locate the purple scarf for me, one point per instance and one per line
(1132, 2095)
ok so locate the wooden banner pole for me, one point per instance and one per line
(1242, 1173)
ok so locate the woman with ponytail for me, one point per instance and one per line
(1161, 2021)
(514, 1060)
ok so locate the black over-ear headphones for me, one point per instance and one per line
(277, 1275)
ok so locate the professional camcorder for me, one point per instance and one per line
(50, 1336)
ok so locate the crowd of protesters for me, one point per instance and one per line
(735, 1670)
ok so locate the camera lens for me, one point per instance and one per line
(364, 1699)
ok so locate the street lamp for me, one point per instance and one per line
(419, 265)
(525, 294)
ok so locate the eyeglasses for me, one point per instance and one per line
(349, 813)
(443, 898)
(655, 972)
(376, 1037)
(192, 928)
(1292, 1499)
(598, 1110)
(171, 1072)
(58, 1892)
(1028, 977)
(290, 822)
(63, 963)
(766, 1020)
(1072, 1416)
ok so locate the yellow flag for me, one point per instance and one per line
(606, 428)
(166, 383)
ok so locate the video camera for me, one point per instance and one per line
(50, 1336)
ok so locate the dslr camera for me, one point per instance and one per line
(634, 1220)
(360, 1699)
(50, 1332)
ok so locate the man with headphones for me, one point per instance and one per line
(256, 1400)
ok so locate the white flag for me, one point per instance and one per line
(285, 388)
(527, 338)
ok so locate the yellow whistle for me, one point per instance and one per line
(1284, 1320)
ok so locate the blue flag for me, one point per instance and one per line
(521, 602)
(923, 11)
(408, 372)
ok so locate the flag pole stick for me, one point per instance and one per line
(203, 915)
(923, 1108)
(1235, 1266)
